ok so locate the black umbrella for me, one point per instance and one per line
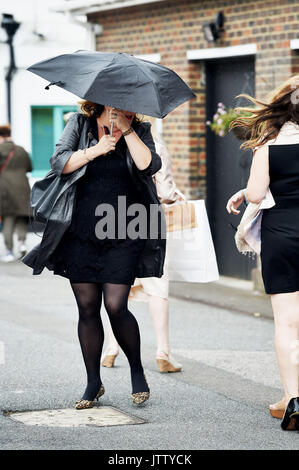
(118, 80)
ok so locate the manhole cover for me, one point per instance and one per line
(70, 417)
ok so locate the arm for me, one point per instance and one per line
(67, 158)
(143, 151)
(66, 146)
(259, 178)
(258, 182)
(140, 147)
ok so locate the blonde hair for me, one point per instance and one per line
(281, 105)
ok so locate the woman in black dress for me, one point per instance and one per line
(274, 128)
(99, 265)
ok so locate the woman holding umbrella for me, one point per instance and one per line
(95, 168)
(107, 267)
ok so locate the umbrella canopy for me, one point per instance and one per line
(118, 80)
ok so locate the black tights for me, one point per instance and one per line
(91, 334)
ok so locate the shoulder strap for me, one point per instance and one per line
(8, 158)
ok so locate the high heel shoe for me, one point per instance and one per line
(290, 421)
(109, 360)
(168, 364)
(279, 409)
(141, 397)
(83, 404)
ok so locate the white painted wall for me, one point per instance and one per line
(61, 36)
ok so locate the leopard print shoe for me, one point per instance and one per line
(141, 397)
(83, 404)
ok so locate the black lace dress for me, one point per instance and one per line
(80, 255)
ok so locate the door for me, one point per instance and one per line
(227, 166)
(47, 126)
(42, 138)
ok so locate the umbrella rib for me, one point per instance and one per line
(87, 91)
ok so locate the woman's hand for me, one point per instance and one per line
(119, 119)
(234, 202)
(105, 144)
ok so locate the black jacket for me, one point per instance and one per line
(81, 132)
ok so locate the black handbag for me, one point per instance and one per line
(44, 194)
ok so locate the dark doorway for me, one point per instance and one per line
(227, 166)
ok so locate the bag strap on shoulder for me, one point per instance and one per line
(8, 158)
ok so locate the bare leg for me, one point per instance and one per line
(8, 226)
(21, 228)
(112, 346)
(158, 307)
(286, 317)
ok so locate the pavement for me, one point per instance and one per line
(228, 293)
(219, 401)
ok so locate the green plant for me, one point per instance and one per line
(222, 119)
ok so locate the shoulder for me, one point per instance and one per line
(76, 122)
(8, 146)
(77, 117)
(260, 160)
(20, 149)
(261, 152)
(142, 127)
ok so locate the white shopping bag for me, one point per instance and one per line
(191, 254)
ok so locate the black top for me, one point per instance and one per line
(81, 256)
(280, 224)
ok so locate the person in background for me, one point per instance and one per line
(151, 289)
(14, 193)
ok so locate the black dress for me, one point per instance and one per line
(80, 255)
(280, 224)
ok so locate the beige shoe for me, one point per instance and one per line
(168, 364)
(83, 404)
(109, 360)
(277, 409)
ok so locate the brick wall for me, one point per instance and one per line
(171, 28)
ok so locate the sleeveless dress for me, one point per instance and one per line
(280, 224)
(80, 255)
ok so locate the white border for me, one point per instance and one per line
(219, 52)
(151, 57)
(79, 7)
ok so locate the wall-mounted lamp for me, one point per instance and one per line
(97, 29)
(213, 30)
